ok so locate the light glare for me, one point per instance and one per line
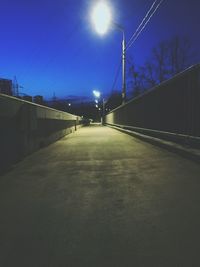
(96, 93)
(101, 17)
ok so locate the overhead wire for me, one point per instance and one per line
(147, 14)
(147, 21)
(116, 76)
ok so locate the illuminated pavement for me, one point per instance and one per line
(100, 198)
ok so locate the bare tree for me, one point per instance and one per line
(167, 59)
(114, 100)
(171, 57)
(136, 79)
(147, 75)
(180, 54)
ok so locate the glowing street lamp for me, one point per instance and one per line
(102, 21)
(96, 93)
(101, 17)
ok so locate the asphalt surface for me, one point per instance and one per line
(100, 198)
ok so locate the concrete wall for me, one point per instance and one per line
(173, 106)
(25, 127)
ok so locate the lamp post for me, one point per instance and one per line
(121, 29)
(123, 69)
(102, 20)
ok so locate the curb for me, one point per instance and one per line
(186, 152)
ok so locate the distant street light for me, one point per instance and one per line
(102, 21)
(96, 93)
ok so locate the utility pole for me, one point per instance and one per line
(123, 69)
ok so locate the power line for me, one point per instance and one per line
(116, 76)
(147, 14)
(137, 35)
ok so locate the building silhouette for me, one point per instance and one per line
(6, 86)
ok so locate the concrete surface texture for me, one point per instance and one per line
(25, 127)
(99, 197)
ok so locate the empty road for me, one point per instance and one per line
(100, 198)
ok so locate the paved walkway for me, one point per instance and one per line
(100, 198)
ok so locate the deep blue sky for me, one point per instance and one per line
(51, 47)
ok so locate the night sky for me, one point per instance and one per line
(51, 46)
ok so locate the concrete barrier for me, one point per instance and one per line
(25, 127)
(172, 107)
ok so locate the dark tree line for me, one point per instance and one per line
(167, 59)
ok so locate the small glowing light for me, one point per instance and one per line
(96, 106)
(101, 17)
(99, 109)
(96, 101)
(69, 104)
(96, 93)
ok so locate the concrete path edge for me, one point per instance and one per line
(186, 152)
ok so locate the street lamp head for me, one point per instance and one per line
(97, 94)
(101, 17)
